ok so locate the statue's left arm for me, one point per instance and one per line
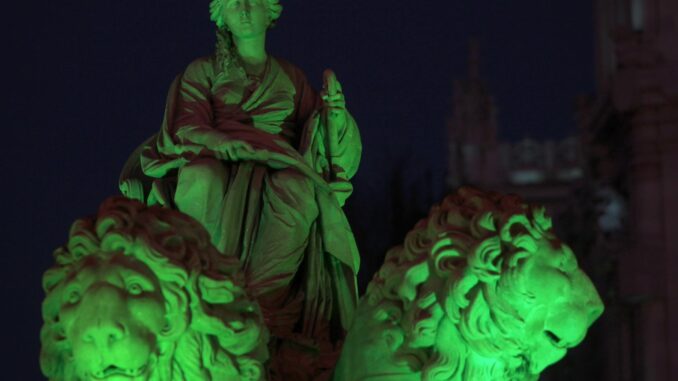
(343, 139)
(330, 140)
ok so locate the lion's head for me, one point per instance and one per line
(480, 290)
(139, 293)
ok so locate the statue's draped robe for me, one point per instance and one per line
(279, 209)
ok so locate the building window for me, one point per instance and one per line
(638, 15)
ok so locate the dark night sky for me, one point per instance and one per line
(88, 80)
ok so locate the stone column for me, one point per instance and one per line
(668, 151)
(649, 274)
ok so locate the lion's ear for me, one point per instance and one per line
(52, 283)
(486, 261)
(176, 312)
(414, 276)
(52, 278)
(216, 291)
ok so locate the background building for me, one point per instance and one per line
(613, 190)
(630, 131)
(544, 172)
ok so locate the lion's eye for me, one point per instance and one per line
(134, 288)
(73, 296)
(137, 285)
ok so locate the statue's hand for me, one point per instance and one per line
(333, 101)
(234, 150)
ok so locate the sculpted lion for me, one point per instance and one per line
(139, 293)
(480, 290)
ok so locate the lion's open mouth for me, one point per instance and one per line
(555, 340)
(113, 370)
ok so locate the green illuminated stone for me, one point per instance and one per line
(139, 294)
(263, 161)
(252, 168)
(480, 290)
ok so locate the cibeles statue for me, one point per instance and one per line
(482, 289)
(248, 148)
(140, 294)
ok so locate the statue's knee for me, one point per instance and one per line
(201, 182)
(202, 169)
(298, 190)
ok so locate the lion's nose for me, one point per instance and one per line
(590, 302)
(104, 333)
(567, 325)
(102, 312)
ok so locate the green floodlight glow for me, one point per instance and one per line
(252, 167)
(480, 290)
(139, 294)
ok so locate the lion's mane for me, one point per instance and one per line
(212, 324)
(451, 266)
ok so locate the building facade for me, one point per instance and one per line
(613, 189)
(630, 131)
(542, 172)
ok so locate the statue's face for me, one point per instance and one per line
(561, 303)
(246, 18)
(112, 312)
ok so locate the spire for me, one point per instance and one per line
(474, 154)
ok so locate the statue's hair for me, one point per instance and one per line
(225, 53)
(451, 267)
(217, 11)
(207, 309)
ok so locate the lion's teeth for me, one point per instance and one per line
(101, 374)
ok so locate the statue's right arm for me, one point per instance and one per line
(189, 118)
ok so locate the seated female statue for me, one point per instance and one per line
(251, 151)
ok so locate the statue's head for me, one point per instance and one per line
(240, 20)
(222, 10)
(483, 289)
(139, 293)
